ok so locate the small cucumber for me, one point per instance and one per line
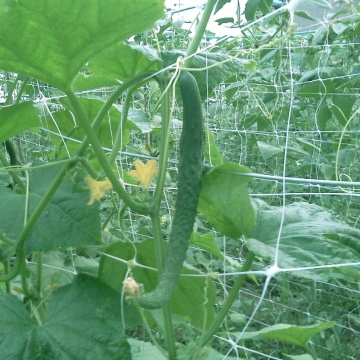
(189, 181)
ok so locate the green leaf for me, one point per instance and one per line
(67, 221)
(66, 125)
(117, 64)
(56, 270)
(310, 236)
(305, 15)
(52, 39)
(339, 27)
(220, 4)
(224, 200)
(322, 4)
(267, 150)
(17, 118)
(323, 116)
(342, 105)
(194, 297)
(212, 77)
(316, 89)
(291, 334)
(207, 242)
(17, 330)
(141, 350)
(211, 151)
(250, 9)
(83, 321)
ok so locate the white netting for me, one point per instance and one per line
(296, 158)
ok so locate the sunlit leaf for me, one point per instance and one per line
(117, 64)
(17, 118)
(51, 40)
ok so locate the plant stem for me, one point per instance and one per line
(137, 80)
(20, 257)
(39, 209)
(100, 154)
(6, 240)
(39, 262)
(24, 280)
(159, 252)
(7, 270)
(120, 131)
(229, 301)
(12, 173)
(200, 30)
(164, 147)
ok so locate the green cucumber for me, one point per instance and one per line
(189, 181)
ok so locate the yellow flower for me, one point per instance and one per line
(144, 172)
(97, 188)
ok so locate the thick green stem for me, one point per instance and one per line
(6, 240)
(24, 280)
(39, 263)
(234, 293)
(20, 258)
(100, 154)
(164, 147)
(200, 30)
(12, 173)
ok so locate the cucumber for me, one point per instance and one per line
(189, 182)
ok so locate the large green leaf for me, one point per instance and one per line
(118, 63)
(52, 39)
(194, 297)
(210, 78)
(83, 321)
(67, 221)
(310, 236)
(225, 202)
(17, 118)
(291, 334)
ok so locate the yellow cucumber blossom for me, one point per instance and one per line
(97, 188)
(144, 172)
